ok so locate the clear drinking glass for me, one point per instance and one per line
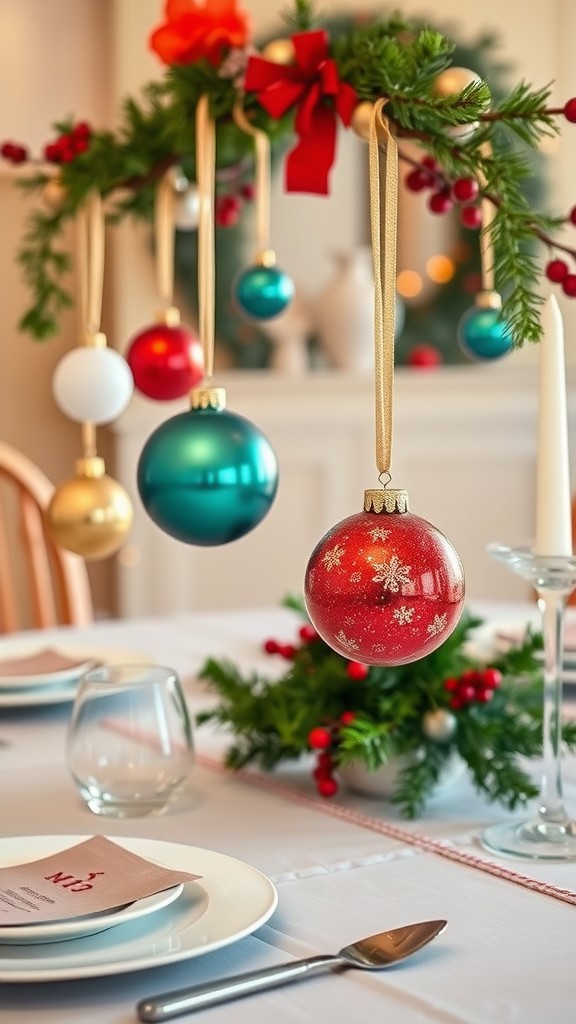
(129, 743)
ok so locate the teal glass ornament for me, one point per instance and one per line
(263, 291)
(482, 333)
(207, 476)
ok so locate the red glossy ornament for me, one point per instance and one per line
(166, 360)
(384, 587)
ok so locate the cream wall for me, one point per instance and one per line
(60, 57)
(53, 63)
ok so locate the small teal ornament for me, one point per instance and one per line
(482, 333)
(263, 291)
(207, 476)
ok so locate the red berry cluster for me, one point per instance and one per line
(323, 739)
(14, 152)
(464, 192)
(229, 206)
(472, 687)
(558, 271)
(69, 145)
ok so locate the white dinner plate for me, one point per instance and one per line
(63, 692)
(230, 900)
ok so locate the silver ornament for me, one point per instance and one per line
(439, 725)
(450, 82)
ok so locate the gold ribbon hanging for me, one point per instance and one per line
(164, 240)
(383, 158)
(264, 254)
(486, 245)
(90, 264)
(205, 177)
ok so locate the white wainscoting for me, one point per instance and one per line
(464, 446)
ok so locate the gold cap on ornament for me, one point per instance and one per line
(488, 300)
(91, 466)
(208, 398)
(170, 316)
(386, 500)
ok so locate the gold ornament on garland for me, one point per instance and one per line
(452, 82)
(279, 51)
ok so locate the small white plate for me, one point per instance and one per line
(79, 927)
(39, 693)
(230, 900)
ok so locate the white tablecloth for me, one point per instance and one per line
(506, 956)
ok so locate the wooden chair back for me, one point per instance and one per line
(41, 585)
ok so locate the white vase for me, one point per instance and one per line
(344, 312)
(381, 782)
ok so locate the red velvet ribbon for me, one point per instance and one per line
(313, 85)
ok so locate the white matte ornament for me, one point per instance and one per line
(92, 385)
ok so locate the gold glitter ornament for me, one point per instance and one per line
(91, 513)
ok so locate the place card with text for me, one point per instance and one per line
(88, 878)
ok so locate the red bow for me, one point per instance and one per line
(310, 82)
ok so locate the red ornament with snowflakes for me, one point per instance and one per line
(384, 586)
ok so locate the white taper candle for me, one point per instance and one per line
(553, 495)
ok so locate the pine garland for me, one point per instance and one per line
(375, 716)
(392, 57)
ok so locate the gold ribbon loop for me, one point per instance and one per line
(164, 239)
(90, 245)
(262, 178)
(383, 157)
(205, 177)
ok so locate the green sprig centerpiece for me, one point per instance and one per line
(451, 702)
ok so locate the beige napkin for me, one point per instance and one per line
(43, 662)
(87, 878)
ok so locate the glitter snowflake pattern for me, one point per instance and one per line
(379, 533)
(332, 557)
(356, 577)
(404, 615)
(437, 625)
(392, 574)
(347, 642)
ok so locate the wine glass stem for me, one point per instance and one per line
(552, 605)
